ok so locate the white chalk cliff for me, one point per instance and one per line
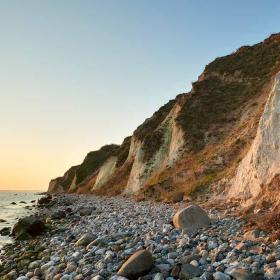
(167, 154)
(262, 162)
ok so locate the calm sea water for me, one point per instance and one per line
(10, 212)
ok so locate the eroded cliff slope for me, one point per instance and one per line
(215, 139)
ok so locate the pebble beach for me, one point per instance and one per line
(92, 238)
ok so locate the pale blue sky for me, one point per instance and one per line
(76, 75)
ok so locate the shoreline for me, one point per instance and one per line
(17, 205)
(120, 227)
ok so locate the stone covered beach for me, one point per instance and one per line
(91, 238)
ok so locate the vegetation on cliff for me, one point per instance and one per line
(93, 161)
(150, 132)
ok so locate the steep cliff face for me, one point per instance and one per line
(148, 160)
(62, 184)
(261, 165)
(198, 139)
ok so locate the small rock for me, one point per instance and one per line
(71, 267)
(163, 267)
(220, 276)
(11, 275)
(33, 264)
(97, 277)
(172, 255)
(85, 239)
(66, 277)
(58, 215)
(194, 263)
(97, 242)
(206, 276)
(29, 274)
(37, 272)
(211, 245)
(167, 228)
(240, 274)
(189, 271)
(158, 276)
(85, 211)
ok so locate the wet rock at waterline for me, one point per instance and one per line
(28, 227)
(45, 200)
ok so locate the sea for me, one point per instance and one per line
(12, 207)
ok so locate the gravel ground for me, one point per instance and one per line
(118, 227)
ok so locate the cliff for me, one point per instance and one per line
(219, 138)
(257, 175)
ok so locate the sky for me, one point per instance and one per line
(76, 75)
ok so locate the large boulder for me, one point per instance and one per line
(28, 227)
(191, 218)
(140, 263)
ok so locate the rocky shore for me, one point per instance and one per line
(95, 238)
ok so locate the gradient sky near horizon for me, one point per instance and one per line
(76, 75)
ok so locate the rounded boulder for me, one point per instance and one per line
(191, 218)
(140, 263)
